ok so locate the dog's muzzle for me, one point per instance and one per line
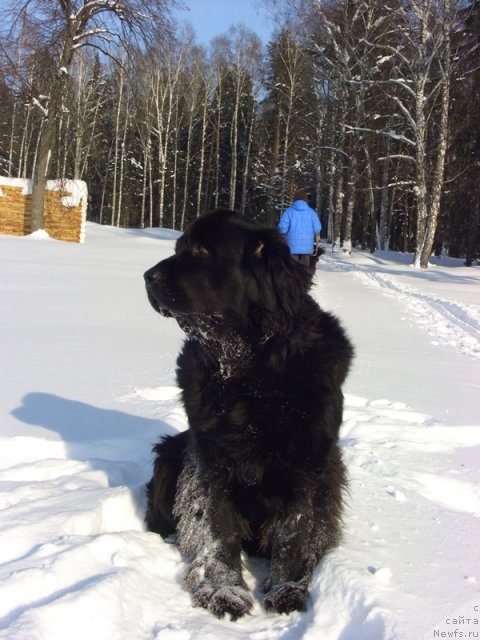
(155, 282)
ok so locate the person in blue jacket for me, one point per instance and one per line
(300, 223)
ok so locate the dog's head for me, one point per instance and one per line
(227, 267)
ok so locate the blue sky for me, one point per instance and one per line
(210, 18)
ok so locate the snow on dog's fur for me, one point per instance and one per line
(261, 373)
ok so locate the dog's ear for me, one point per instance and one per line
(282, 282)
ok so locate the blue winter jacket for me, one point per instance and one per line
(299, 223)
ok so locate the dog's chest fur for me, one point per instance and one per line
(238, 421)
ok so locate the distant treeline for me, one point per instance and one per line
(371, 107)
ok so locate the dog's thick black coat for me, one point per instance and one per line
(261, 373)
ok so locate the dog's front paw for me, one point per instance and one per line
(286, 597)
(232, 600)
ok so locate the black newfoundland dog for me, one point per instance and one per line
(261, 371)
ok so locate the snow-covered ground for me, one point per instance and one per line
(88, 386)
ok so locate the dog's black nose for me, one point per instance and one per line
(152, 275)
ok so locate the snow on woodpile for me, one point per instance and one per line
(65, 208)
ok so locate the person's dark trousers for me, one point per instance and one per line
(304, 258)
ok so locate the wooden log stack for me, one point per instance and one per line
(64, 214)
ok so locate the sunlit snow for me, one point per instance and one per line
(88, 386)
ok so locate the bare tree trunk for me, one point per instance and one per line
(201, 168)
(383, 231)
(187, 165)
(63, 137)
(12, 138)
(123, 148)
(234, 143)
(339, 162)
(375, 235)
(102, 201)
(80, 118)
(164, 136)
(421, 185)
(246, 167)
(331, 208)
(338, 212)
(150, 199)
(286, 144)
(47, 139)
(351, 200)
(159, 93)
(25, 145)
(439, 172)
(175, 167)
(145, 169)
(79, 172)
(275, 155)
(217, 138)
(40, 176)
(116, 153)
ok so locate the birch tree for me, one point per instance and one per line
(191, 89)
(421, 78)
(144, 98)
(245, 59)
(340, 36)
(219, 64)
(364, 107)
(86, 101)
(460, 224)
(64, 27)
(290, 120)
(205, 95)
(402, 50)
(165, 74)
(418, 56)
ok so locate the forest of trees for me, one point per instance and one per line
(371, 106)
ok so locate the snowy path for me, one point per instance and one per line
(87, 387)
(450, 323)
(411, 342)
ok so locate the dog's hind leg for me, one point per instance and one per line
(209, 532)
(161, 489)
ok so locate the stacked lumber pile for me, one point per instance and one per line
(64, 214)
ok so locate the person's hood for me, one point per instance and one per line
(300, 205)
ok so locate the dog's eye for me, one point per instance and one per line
(199, 250)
